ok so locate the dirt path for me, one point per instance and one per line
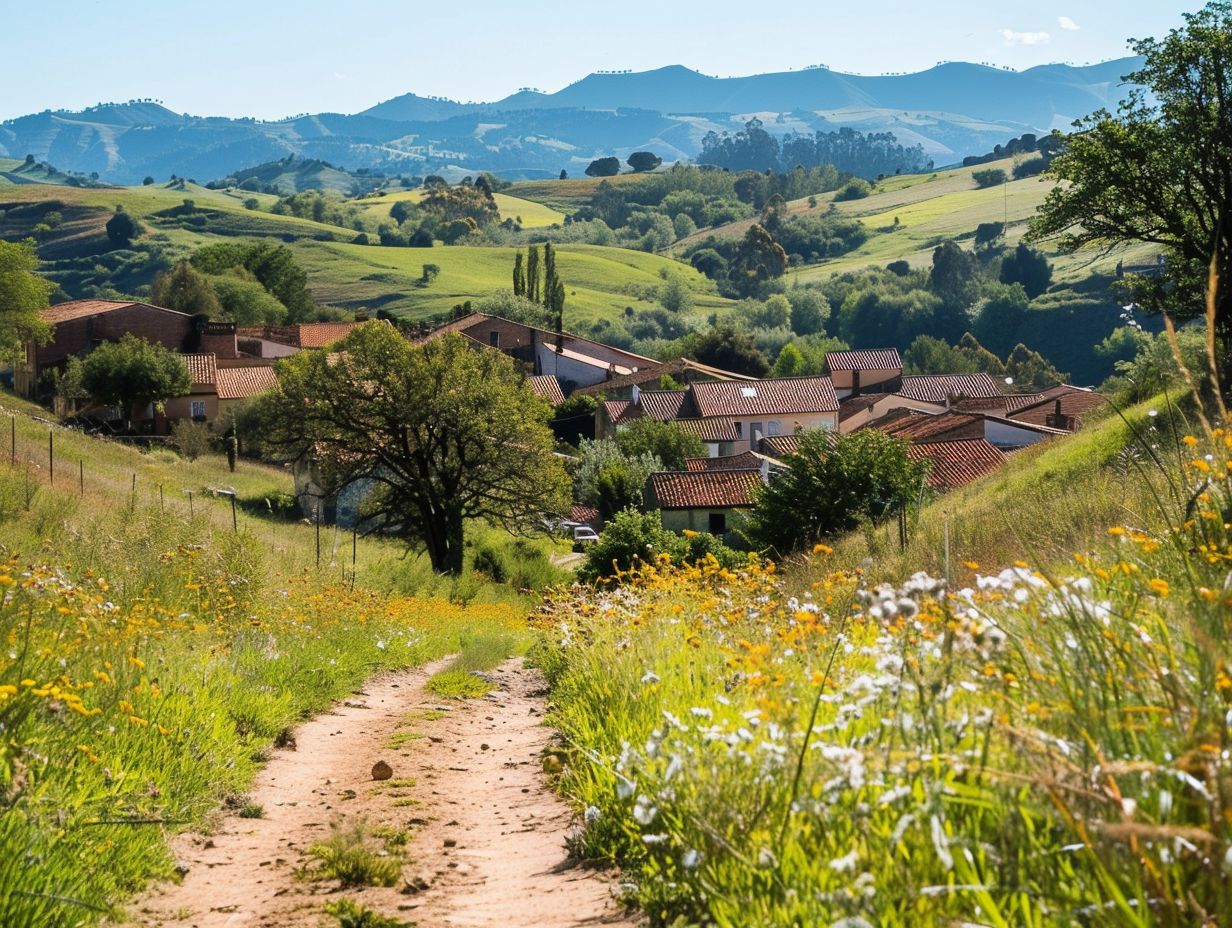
(486, 835)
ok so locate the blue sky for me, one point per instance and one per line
(268, 58)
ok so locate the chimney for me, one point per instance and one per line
(855, 383)
(636, 395)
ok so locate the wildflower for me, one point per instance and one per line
(941, 843)
(625, 787)
(846, 862)
(822, 549)
(650, 677)
(690, 859)
(655, 839)
(689, 533)
(1159, 587)
(591, 815)
(643, 812)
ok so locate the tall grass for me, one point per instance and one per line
(1039, 746)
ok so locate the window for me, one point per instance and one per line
(198, 409)
(748, 392)
(718, 523)
(774, 427)
(740, 430)
(494, 338)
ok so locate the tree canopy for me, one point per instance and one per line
(444, 433)
(834, 481)
(642, 161)
(603, 167)
(133, 372)
(1160, 171)
(22, 294)
(186, 290)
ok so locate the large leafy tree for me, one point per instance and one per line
(664, 440)
(133, 372)
(1160, 171)
(445, 434)
(834, 481)
(186, 290)
(22, 294)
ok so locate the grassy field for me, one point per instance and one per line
(568, 195)
(600, 281)
(1034, 744)
(931, 208)
(153, 652)
(529, 214)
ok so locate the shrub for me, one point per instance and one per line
(989, 177)
(192, 439)
(855, 189)
(349, 857)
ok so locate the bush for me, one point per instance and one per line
(989, 177)
(630, 537)
(855, 189)
(192, 439)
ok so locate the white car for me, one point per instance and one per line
(584, 535)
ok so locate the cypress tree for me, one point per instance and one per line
(519, 276)
(532, 274)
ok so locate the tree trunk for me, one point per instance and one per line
(445, 541)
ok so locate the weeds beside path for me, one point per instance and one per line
(465, 811)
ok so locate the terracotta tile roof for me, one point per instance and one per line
(780, 397)
(547, 387)
(238, 383)
(875, 359)
(80, 309)
(1075, 404)
(587, 515)
(937, 388)
(651, 373)
(852, 405)
(745, 460)
(469, 321)
(202, 368)
(710, 430)
(668, 404)
(955, 463)
(779, 446)
(712, 489)
(919, 427)
(1015, 401)
(323, 334)
(618, 411)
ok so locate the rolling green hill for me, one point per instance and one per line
(931, 208)
(528, 213)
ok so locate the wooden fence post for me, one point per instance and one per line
(81, 476)
(51, 457)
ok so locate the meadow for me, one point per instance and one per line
(527, 213)
(153, 650)
(1037, 743)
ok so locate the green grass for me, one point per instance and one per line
(351, 914)
(351, 856)
(532, 215)
(483, 651)
(600, 281)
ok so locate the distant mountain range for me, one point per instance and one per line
(952, 110)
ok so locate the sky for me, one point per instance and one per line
(270, 59)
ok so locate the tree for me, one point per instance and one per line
(834, 481)
(1028, 267)
(401, 211)
(986, 233)
(989, 177)
(675, 295)
(734, 351)
(642, 161)
(122, 229)
(663, 440)
(710, 263)
(519, 276)
(603, 167)
(186, 290)
(132, 373)
(22, 295)
(759, 258)
(790, 362)
(564, 175)
(148, 180)
(809, 310)
(1000, 315)
(445, 435)
(533, 281)
(953, 274)
(1160, 171)
(1030, 371)
(603, 456)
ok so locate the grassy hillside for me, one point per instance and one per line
(532, 215)
(600, 281)
(931, 208)
(568, 194)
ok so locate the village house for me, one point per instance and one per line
(1063, 407)
(682, 371)
(79, 326)
(745, 411)
(714, 501)
(574, 361)
(282, 341)
(876, 370)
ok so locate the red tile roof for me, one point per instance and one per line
(875, 359)
(955, 463)
(323, 334)
(587, 515)
(780, 446)
(710, 430)
(745, 460)
(668, 404)
(202, 368)
(547, 387)
(781, 397)
(1075, 404)
(80, 309)
(937, 388)
(914, 426)
(712, 489)
(238, 383)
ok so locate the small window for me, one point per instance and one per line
(748, 392)
(198, 409)
(740, 430)
(774, 427)
(494, 338)
(718, 523)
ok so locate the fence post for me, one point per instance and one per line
(946, 518)
(51, 457)
(13, 437)
(132, 500)
(162, 502)
(81, 476)
(235, 526)
(318, 521)
(190, 505)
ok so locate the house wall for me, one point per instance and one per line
(891, 402)
(787, 425)
(698, 520)
(181, 406)
(581, 373)
(77, 336)
(870, 381)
